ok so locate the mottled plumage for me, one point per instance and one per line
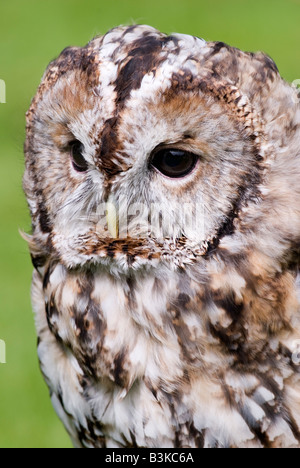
(185, 336)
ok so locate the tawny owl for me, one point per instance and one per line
(162, 176)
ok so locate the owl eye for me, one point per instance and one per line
(174, 163)
(78, 161)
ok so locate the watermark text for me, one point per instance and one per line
(2, 92)
(2, 352)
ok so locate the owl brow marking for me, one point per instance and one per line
(143, 57)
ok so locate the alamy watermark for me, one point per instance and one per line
(120, 219)
(2, 352)
(2, 92)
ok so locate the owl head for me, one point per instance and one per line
(144, 148)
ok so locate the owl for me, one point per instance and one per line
(162, 177)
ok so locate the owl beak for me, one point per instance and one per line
(112, 217)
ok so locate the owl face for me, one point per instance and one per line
(143, 148)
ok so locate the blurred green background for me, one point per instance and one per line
(33, 32)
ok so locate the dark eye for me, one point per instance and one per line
(174, 163)
(79, 163)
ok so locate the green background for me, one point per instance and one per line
(33, 32)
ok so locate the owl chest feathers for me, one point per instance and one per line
(171, 346)
(120, 328)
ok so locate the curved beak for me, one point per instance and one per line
(112, 217)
